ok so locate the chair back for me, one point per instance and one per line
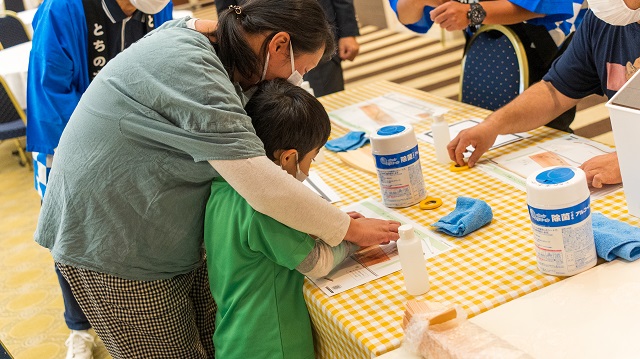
(494, 68)
(14, 5)
(9, 108)
(12, 30)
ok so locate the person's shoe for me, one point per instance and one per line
(79, 345)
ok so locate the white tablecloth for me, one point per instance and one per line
(27, 18)
(14, 64)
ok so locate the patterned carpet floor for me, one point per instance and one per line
(31, 322)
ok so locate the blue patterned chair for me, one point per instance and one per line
(12, 30)
(494, 68)
(12, 121)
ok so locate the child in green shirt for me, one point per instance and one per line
(257, 265)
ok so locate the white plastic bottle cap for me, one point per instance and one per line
(406, 231)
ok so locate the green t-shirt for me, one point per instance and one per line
(130, 181)
(251, 260)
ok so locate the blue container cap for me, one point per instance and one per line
(391, 130)
(555, 175)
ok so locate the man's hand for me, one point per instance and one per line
(451, 15)
(603, 169)
(348, 48)
(481, 137)
(370, 231)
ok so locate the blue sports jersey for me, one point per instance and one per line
(561, 16)
(58, 69)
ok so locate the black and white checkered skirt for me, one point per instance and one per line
(170, 318)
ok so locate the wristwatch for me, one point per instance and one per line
(476, 14)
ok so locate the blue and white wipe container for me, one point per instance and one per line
(560, 211)
(395, 150)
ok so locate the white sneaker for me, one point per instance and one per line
(79, 345)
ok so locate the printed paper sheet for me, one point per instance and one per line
(377, 261)
(391, 108)
(569, 150)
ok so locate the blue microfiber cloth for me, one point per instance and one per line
(615, 239)
(469, 215)
(351, 141)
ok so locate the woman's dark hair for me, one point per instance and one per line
(287, 117)
(303, 20)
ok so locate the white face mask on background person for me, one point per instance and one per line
(149, 6)
(614, 12)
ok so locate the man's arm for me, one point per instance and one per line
(412, 11)
(535, 107)
(346, 28)
(452, 15)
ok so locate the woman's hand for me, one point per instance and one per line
(355, 215)
(207, 28)
(371, 231)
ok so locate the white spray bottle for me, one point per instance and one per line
(414, 269)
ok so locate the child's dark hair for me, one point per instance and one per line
(286, 117)
(303, 20)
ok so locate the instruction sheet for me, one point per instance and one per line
(391, 108)
(377, 261)
(569, 150)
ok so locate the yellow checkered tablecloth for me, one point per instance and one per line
(487, 268)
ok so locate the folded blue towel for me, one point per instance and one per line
(351, 141)
(615, 239)
(469, 215)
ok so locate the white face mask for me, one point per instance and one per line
(614, 12)
(300, 176)
(295, 78)
(149, 6)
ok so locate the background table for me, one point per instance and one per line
(27, 18)
(488, 268)
(14, 64)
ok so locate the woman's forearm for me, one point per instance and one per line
(273, 192)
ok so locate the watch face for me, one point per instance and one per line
(476, 14)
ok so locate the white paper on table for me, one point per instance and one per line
(317, 185)
(377, 261)
(456, 128)
(569, 150)
(391, 108)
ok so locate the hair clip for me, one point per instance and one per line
(235, 8)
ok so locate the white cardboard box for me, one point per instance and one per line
(624, 110)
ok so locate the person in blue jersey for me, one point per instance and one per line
(603, 55)
(72, 41)
(543, 26)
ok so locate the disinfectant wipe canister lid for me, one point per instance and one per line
(559, 207)
(395, 150)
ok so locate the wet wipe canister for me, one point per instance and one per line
(395, 150)
(559, 205)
